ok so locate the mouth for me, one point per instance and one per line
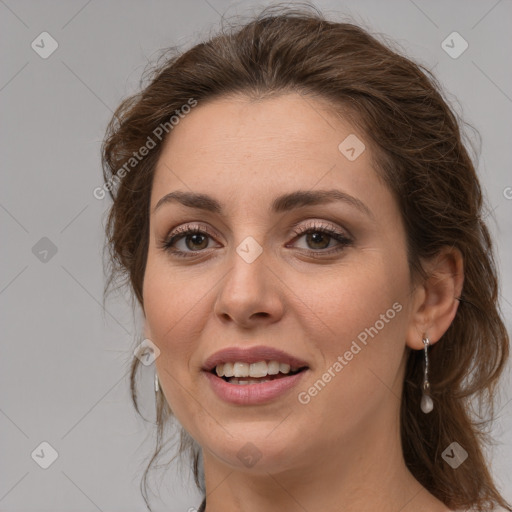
(248, 390)
(253, 375)
(241, 373)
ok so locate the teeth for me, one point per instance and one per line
(241, 370)
(284, 368)
(219, 370)
(247, 382)
(273, 368)
(256, 370)
(228, 370)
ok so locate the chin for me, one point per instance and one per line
(260, 452)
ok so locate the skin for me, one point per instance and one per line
(343, 447)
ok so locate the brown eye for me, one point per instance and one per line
(318, 238)
(185, 241)
(196, 241)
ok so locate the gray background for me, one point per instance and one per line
(64, 364)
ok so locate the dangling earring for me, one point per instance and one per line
(426, 401)
(157, 385)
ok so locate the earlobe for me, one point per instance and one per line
(437, 298)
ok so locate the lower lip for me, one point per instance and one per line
(252, 394)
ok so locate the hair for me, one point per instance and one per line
(417, 148)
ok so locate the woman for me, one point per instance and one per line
(301, 224)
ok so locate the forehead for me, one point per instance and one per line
(283, 127)
(244, 147)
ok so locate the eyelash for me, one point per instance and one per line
(186, 230)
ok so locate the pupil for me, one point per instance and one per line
(194, 241)
(317, 238)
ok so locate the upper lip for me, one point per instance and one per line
(251, 355)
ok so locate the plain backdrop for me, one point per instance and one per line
(64, 360)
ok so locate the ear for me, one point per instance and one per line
(436, 298)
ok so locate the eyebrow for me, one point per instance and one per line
(280, 204)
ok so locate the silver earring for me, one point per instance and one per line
(426, 401)
(157, 385)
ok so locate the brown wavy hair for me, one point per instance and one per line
(419, 150)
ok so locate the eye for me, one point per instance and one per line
(187, 240)
(319, 237)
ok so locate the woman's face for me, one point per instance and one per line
(265, 272)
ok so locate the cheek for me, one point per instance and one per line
(363, 315)
(171, 297)
(177, 308)
(170, 325)
(171, 318)
(353, 297)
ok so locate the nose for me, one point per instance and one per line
(250, 293)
